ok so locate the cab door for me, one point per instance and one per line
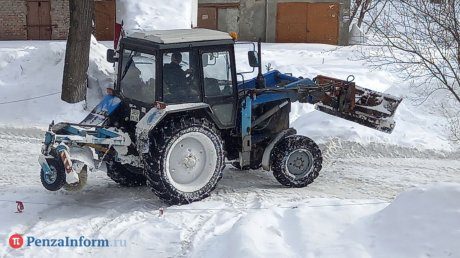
(219, 84)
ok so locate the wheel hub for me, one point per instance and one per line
(190, 161)
(300, 163)
(50, 176)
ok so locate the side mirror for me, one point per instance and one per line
(111, 56)
(205, 59)
(253, 59)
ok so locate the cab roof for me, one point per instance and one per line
(180, 36)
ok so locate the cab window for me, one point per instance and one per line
(138, 76)
(180, 80)
(217, 74)
(218, 85)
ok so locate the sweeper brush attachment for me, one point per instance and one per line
(366, 107)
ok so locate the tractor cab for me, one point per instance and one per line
(177, 67)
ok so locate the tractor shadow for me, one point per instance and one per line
(243, 180)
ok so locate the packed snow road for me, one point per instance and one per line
(352, 174)
(350, 170)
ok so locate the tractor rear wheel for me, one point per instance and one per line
(296, 161)
(186, 160)
(122, 175)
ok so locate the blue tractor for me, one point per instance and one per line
(179, 112)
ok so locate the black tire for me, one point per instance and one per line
(304, 157)
(122, 175)
(163, 140)
(55, 181)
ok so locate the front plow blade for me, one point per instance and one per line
(363, 106)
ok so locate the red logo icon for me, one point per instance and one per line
(16, 241)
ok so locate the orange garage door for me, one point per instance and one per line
(307, 23)
(105, 19)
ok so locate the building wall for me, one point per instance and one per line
(252, 20)
(13, 19)
(257, 18)
(248, 20)
(227, 19)
(60, 19)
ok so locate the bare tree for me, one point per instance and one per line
(453, 121)
(77, 51)
(361, 8)
(421, 40)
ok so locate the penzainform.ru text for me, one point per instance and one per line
(17, 241)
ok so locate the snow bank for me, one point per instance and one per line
(419, 223)
(34, 68)
(249, 214)
(357, 36)
(155, 15)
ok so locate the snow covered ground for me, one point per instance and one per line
(354, 209)
(345, 213)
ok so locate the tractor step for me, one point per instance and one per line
(360, 105)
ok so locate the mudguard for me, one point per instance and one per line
(268, 150)
(154, 116)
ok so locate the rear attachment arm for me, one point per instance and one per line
(71, 143)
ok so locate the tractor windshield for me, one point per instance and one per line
(138, 76)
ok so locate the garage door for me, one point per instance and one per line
(105, 19)
(207, 18)
(307, 23)
(38, 20)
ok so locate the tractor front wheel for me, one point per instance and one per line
(296, 161)
(186, 160)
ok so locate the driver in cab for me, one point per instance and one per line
(177, 81)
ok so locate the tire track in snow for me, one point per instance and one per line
(32, 135)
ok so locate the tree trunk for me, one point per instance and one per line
(77, 51)
(364, 9)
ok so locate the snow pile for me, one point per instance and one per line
(419, 223)
(34, 68)
(101, 74)
(311, 228)
(152, 15)
(357, 36)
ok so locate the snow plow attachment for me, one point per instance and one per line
(363, 106)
